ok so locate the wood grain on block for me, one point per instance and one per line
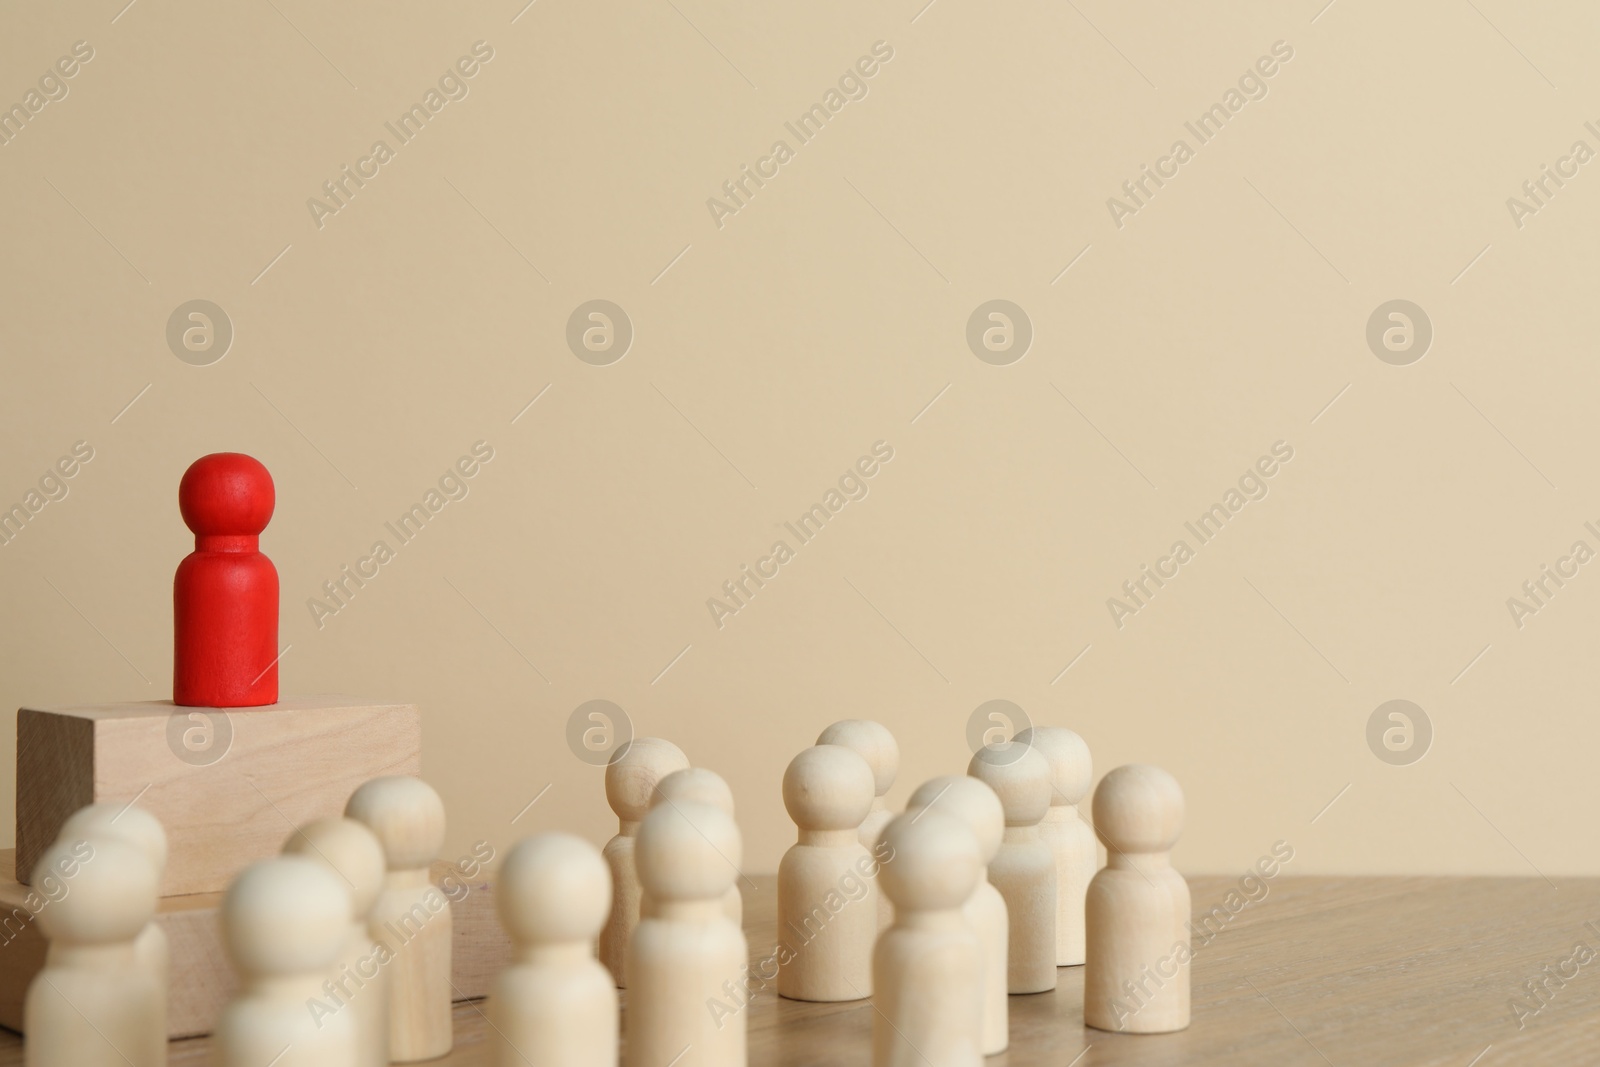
(202, 980)
(227, 784)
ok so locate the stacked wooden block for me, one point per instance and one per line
(229, 786)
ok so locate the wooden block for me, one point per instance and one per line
(202, 980)
(280, 766)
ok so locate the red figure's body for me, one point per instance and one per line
(225, 594)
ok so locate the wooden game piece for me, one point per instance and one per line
(877, 746)
(700, 786)
(95, 1004)
(976, 806)
(1069, 836)
(927, 970)
(1136, 979)
(1024, 869)
(225, 594)
(685, 958)
(225, 785)
(874, 743)
(631, 779)
(827, 790)
(285, 921)
(358, 978)
(554, 1003)
(139, 828)
(411, 918)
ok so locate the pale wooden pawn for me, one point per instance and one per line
(1136, 979)
(359, 977)
(94, 1004)
(1024, 869)
(927, 970)
(142, 829)
(553, 1003)
(411, 918)
(976, 806)
(875, 744)
(284, 922)
(827, 892)
(1068, 834)
(631, 779)
(700, 786)
(685, 957)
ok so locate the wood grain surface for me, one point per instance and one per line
(1348, 972)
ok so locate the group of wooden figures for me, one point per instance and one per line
(979, 890)
(341, 944)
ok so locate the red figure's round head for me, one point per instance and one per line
(226, 494)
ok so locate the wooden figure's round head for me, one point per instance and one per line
(351, 851)
(968, 801)
(933, 861)
(405, 814)
(828, 787)
(226, 493)
(1019, 776)
(101, 890)
(553, 888)
(123, 822)
(696, 785)
(873, 742)
(1071, 768)
(285, 916)
(634, 771)
(687, 852)
(1138, 808)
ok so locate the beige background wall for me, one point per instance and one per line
(1227, 314)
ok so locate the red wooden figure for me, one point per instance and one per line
(225, 594)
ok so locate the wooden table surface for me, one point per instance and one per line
(1364, 972)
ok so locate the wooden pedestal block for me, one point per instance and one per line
(202, 980)
(228, 784)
